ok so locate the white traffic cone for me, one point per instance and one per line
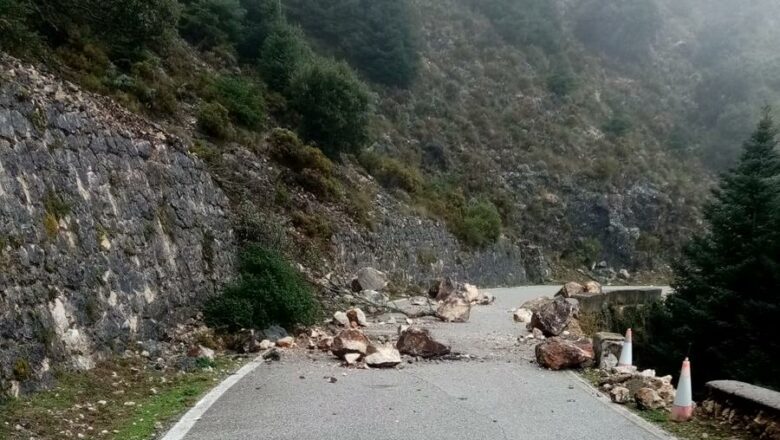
(682, 410)
(627, 353)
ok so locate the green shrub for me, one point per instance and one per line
(310, 167)
(479, 225)
(243, 99)
(153, 88)
(282, 55)
(214, 120)
(561, 82)
(333, 104)
(378, 37)
(392, 173)
(617, 126)
(358, 204)
(261, 16)
(268, 291)
(588, 251)
(313, 226)
(22, 370)
(288, 150)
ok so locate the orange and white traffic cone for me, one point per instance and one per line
(682, 411)
(627, 353)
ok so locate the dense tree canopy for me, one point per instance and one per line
(209, 23)
(284, 52)
(333, 104)
(376, 36)
(125, 27)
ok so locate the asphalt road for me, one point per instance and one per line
(497, 394)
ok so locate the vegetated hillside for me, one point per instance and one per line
(577, 125)
(593, 126)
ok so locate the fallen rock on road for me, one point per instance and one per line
(553, 317)
(454, 309)
(382, 356)
(416, 341)
(522, 315)
(349, 343)
(557, 353)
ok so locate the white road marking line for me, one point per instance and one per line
(183, 426)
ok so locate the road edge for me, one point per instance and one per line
(625, 412)
(188, 420)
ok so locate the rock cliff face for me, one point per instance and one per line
(415, 250)
(109, 230)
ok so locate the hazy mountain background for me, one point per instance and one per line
(591, 128)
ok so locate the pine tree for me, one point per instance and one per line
(728, 281)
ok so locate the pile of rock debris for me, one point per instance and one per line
(346, 334)
(561, 344)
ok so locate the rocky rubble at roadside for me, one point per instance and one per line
(555, 323)
(627, 385)
(356, 338)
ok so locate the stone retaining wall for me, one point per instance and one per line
(618, 298)
(745, 407)
(110, 231)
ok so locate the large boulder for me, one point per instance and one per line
(569, 289)
(350, 342)
(536, 304)
(286, 342)
(340, 318)
(454, 309)
(417, 341)
(443, 289)
(382, 357)
(522, 315)
(471, 293)
(275, 332)
(553, 318)
(369, 278)
(558, 354)
(593, 287)
(374, 297)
